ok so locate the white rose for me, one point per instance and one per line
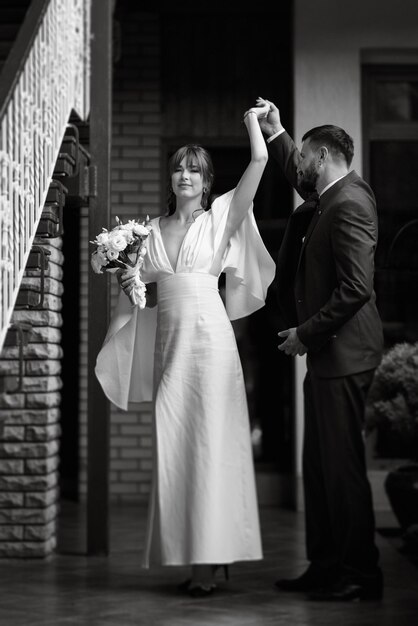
(112, 255)
(127, 234)
(102, 239)
(141, 230)
(117, 241)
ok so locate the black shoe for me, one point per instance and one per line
(313, 578)
(184, 586)
(201, 591)
(349, 589)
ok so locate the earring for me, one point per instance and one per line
(203, 202)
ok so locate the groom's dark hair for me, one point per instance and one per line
(334, 138)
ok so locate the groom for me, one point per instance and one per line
(325, 279)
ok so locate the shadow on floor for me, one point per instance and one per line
(70, 588)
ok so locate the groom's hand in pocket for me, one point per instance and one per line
(292, 345)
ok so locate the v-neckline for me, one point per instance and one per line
(174, 269)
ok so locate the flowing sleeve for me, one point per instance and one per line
(124, 365)
(249, 268)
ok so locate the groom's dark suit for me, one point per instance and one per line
(325, 274)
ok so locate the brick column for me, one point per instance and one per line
(29, 427)
(136, 192)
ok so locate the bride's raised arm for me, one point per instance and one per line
(248, 184)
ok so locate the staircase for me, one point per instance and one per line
(44, 79)
(44, 88)
(12, 14)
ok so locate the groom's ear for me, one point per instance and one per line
(323, 153)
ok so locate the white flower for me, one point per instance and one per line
(98, 260)
(128, 238)
(102, 239)
(129, 225)
(141, 230)
(112, 255)
(101, 253)
(127, 234)
(117, 241)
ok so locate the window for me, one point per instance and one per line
(390, 133)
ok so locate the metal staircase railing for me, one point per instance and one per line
(45, 77)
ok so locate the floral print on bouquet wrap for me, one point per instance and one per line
(123, 247)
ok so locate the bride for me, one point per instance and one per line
(203, 505)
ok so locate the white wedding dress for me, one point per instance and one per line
(203, 503)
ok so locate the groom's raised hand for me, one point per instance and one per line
(292, 344)
(271, 124)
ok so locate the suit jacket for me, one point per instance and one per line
(333, 304)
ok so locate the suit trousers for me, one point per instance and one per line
(340, 524)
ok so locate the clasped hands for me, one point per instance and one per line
(292, 344)
(261, 110)
(268, 116)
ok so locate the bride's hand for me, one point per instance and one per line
(126, 280)
(271, 122)
(261, 110)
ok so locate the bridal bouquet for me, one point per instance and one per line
(123, 248)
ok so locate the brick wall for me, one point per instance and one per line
(136, 192)
(29, 426)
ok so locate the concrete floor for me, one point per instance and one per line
(70, 588)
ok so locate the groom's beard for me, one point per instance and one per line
(308, 179)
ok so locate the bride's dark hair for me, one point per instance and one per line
(195, 156)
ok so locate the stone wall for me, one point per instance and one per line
(29, 421)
